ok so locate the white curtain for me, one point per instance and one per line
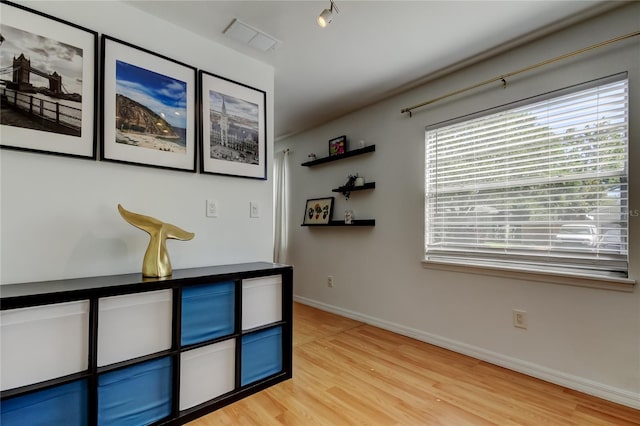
(281, 193)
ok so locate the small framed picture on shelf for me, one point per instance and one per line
(318, 211)
(337, 146)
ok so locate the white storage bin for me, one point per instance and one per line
(43, 342)
(133, 325)
(261, 301)
(206, 373)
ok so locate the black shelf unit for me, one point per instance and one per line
(347, 154)
(341, 189)
(354, 223)
(368, 185)
(94, 289)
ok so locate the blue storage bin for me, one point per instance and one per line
(61, 405)
(261, 355)
(207, 312)
(136, 395)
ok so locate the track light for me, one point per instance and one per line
(326, 16)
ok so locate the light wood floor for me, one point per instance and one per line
(349, 373)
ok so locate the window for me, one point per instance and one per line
(536, 185)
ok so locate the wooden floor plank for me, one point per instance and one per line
(349, 373)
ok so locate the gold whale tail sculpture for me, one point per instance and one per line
(156, 261)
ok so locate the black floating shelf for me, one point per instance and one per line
(347, 154)
(361, 222)
(368, 185)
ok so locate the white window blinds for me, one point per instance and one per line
(539, 184)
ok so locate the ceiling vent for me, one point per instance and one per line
(255, 38)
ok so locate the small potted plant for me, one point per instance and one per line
(349, 185)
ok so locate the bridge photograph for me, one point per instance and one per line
(40, 82)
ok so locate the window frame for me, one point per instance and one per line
(433, 259)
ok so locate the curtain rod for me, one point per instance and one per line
(503, 77)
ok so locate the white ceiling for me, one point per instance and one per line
(372, 49)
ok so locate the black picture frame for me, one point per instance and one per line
(233, 128)
(44, 111)
(148, 108)
(338, 146)
(318, 211)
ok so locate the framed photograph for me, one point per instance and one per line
(48, 89)
(338, 145)
(318, 211)
(149, 108)
(233, 129)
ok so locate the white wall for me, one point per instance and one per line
(584, 338)
(58, 215)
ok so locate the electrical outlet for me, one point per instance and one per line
(520, 319)
(330, 281)
(254, 209)
(212, 208)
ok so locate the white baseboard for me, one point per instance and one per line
(619, 396)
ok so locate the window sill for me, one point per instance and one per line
(550, 277)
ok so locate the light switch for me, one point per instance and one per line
(212, 208)
(254, 209)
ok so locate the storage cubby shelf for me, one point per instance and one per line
(347, 154)
(361, 222)
(368, 185)
(229, 322)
